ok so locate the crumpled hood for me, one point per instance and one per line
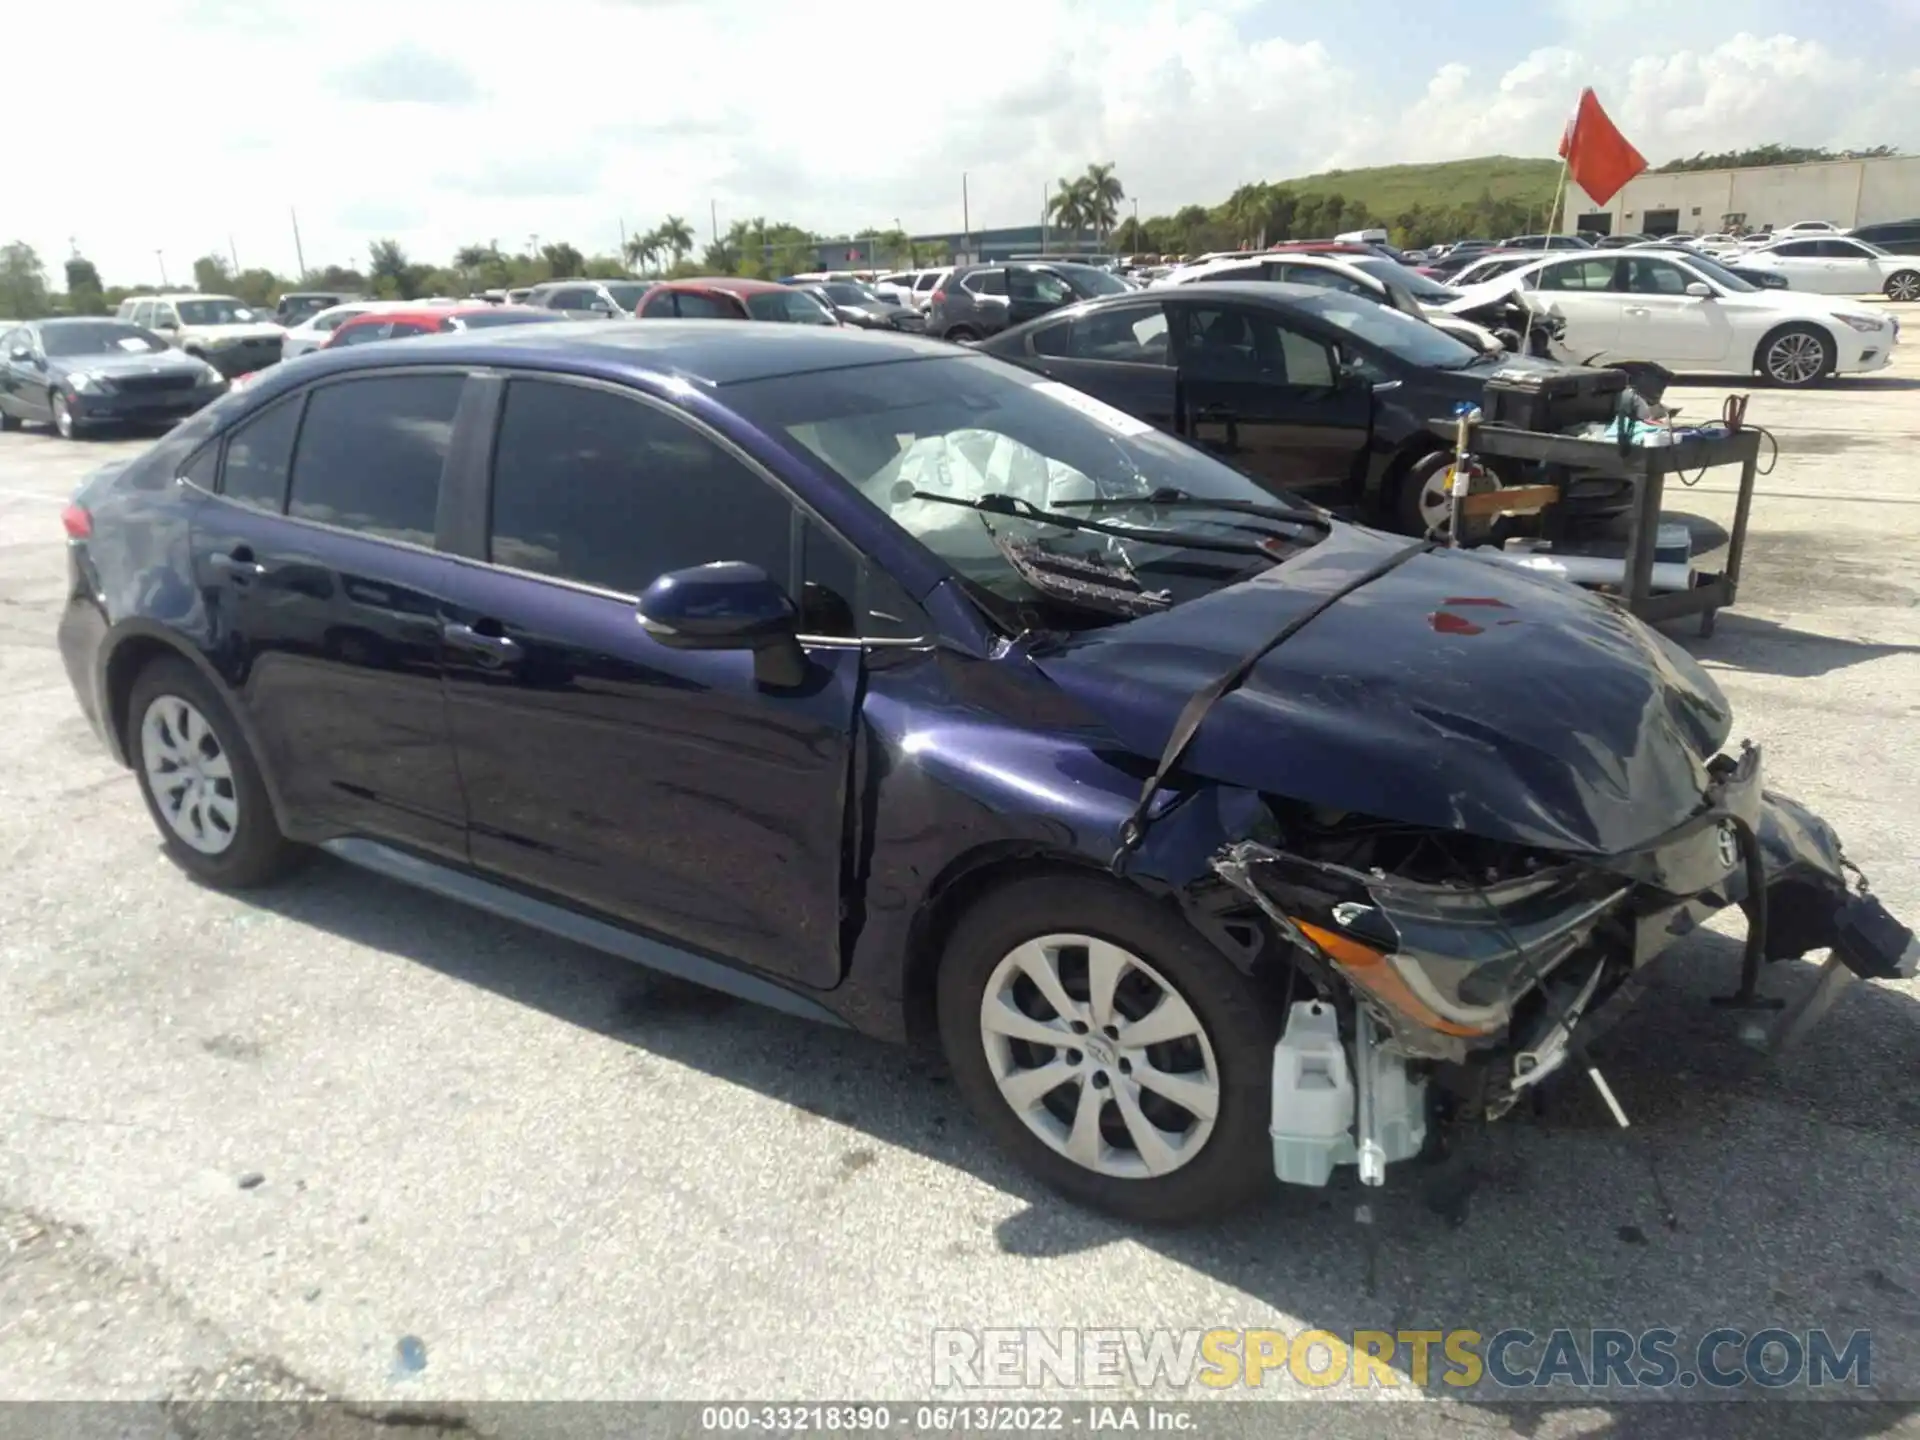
(1454, 692)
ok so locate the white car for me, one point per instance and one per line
(1620, 306)
(1478, 272)
(313, 332)
(896, 288)
(1838, 265)
(226, 332)
(1368, 276)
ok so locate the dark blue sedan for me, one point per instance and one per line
(890, 685)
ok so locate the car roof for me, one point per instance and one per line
(416, 310)
(728, 284)
(75, 321)
(694, 350)
(174, 296)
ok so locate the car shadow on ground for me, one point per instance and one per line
(1787, 1179)
(1767, 647)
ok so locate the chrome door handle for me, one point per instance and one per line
(238, 567)
(492, 649)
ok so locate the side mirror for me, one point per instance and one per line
(1700, 290)
(20, 353)
(729, 605)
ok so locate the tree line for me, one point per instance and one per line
(1257, 213)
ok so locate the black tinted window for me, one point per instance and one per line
(1128, 334)
(204, 469)
(693, 305)
(1798, 248)
(1053, 339)
(602, 489)
(371, 453)
(986, 282)
(259, 455)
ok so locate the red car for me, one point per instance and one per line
(725, 297)
(434, 320)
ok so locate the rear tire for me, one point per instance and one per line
(963, 335)
(1903, 285)
(1795, 356)
(200, 781)
(9, 422)
(1110, 1132)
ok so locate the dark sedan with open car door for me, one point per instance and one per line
(886, 683)
(1301, 387)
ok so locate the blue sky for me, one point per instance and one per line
(444, 131)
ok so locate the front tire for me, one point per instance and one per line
(1110, 1049)
(64, 423)
(1795, 356)
(1903, 285)
(200, 781)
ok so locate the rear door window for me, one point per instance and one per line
(1586, 275)
(1124, 334)
(697, 305)
(260, 455)
(986, 282)
(371, 452)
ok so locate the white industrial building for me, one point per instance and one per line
(1701, 202)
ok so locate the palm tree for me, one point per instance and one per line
(1068, 205)
(643, 251)
(1101, 194)
(675, 236)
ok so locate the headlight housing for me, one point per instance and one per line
(1865, 324)
(87, 382)
(212, 377)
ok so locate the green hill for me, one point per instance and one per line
(1389, 190)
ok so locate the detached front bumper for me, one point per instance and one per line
(1491, 983)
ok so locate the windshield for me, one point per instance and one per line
(1404, 337)
(793, 306)
(845, 292)
(627, 293)
(104, 338)
(1720, 275)
(971, 426)
(1422, 287)
(216, 312)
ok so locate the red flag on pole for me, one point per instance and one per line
(1598, 156)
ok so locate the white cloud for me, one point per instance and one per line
(455, 128)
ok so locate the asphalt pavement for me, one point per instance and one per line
(343, 1139)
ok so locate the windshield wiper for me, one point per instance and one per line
(1000, 503)
(1169, 498)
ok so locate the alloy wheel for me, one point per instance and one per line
(189, 775)
(1904, 286)
(1099, 1056)
(1796, 358)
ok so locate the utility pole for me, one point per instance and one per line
(1046, 198)
(161, 257)
(623, 245)
(233, 254)
(966, 221)
(299, 255)
(713, 221)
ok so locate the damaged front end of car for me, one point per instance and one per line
(1446, 967)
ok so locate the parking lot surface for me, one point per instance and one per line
(341, 1138)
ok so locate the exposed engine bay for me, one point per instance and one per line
(1451, 973)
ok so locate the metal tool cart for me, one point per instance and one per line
(1565, 459)
(1647, 469)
